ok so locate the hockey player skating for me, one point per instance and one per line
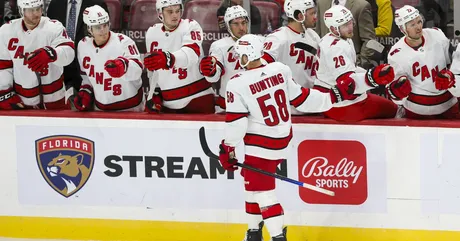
(422, 57)
(337, 61)
(174, 48)
(221, 63)
(258, 111)
(33, 52)
(110, 67)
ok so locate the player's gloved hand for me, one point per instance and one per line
(208, 66)
(380, 75)
(40, 58)
(10, 101)
(444, 80)
(227, 157)
(159, 60)
(83, 101)
(399, 89)
(154, 105)
(344, 89)
(116, 67)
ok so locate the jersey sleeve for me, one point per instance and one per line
(216, 52)
(86, 83)
(63, 45)
(236, 117)
(339, 62)
(6, 65)
(188, 55)
(455, 69)
(132, 57)
(444, 42)
(273, 47)
(304, 99)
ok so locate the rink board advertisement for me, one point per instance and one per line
(152, 167)
(97, 178)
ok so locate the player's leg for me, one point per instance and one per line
(261, 189)
(378, 107)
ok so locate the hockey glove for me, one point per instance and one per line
(159, 60)
(444, 80)
(10, 101)
(117, 67)
(380, 75)
(399, 89)
(40, 58)
(208, 66)
(227, 157)
(344, 89)
(154, 105)
(83, 101)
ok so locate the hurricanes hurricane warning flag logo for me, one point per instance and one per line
(66, 162)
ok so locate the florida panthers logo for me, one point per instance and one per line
(65, 162)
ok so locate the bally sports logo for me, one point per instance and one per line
(336, 165)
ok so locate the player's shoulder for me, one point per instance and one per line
(278, 34)
(121, 37)
(313, 34)
(52, 24)
(154, 28)
(9, 27)
(333, 43)
(277, 66)
(226, 42)
(398, 49)
(189, 24)
(434, 33)
(85, 42)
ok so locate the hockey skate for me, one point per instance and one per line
(281, 237)
(255, 234)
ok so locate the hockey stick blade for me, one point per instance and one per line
(208, 152)
(312, 50)
(374, 45)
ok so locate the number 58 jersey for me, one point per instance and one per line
(258, 109)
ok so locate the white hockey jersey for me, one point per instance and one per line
(228, 65)
(337, 57)
(258, 109)
(182, 83)
(455, 69)
(280, 47)
(16, 43)
(112, 94)
(420, 66)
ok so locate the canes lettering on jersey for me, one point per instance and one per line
(112, 92)
(421, 66)
(52, 50)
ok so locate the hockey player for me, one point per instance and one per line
(337, 61)
(175, 49)
(33, 52)
(422, 57)
(258, 112)
(110, 67)
(279, 45)
(221, 64)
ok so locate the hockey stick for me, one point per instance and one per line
(41, 105)
(300, 45)
(208, 152)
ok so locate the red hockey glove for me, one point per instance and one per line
(154, 105)
(380, 75)
(117, 67)
(40, 58)
(10, 101)
(344, 89)
(399, 89)
(159, 60)
(227, 157)
(208, 66)
(83, 101)
(444, 80)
